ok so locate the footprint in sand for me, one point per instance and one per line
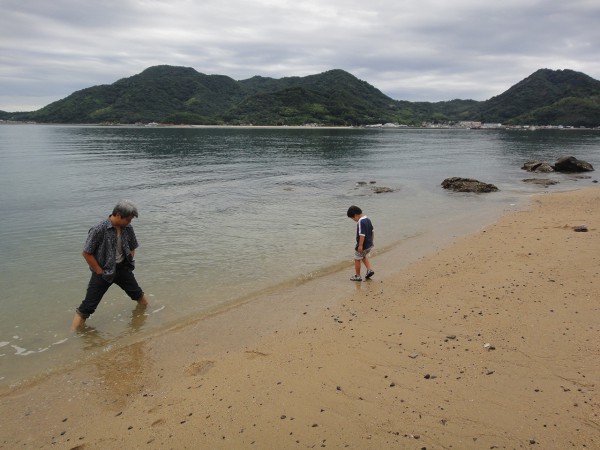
(158, 422)
(255, 354)
(199, 367)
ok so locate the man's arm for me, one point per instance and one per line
(91, 260)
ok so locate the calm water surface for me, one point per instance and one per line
(224, 213)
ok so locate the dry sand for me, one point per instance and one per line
(491, 342)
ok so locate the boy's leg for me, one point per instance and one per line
(357, 267)
(367, 263)
(370, 272)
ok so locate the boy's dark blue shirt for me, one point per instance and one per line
(364, 227)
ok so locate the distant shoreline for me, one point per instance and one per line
(319, 127)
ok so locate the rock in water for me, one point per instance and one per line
(572, 164)
(458, 184)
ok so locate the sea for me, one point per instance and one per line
(226, 212)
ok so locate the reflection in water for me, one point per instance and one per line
(546, 145)
(138, 318)
(93, 339)
(120, 371)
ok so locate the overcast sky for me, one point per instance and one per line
(425, 50)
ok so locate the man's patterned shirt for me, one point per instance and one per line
(102, 243)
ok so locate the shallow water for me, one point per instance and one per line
(224, 213)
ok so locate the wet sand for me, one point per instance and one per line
(490, 342)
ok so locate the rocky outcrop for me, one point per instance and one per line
(376, 189)
(568, 164)
(458, 184)
(542, 181)
(572, 164)
(382, 189)
(538, 167)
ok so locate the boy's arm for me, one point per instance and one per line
(361, 241)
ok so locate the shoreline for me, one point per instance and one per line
(339, 364)
(408, 250)
(92, 342)
(379, 126)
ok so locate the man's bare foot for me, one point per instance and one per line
(143, 301)
(78, 322)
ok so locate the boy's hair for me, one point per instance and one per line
(353, 211)
(125, 208)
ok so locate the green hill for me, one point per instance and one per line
(334, 97)
(547, 97)
(170, 94)
(152, 95)
(181, 95)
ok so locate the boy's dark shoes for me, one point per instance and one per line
(356, 278)
(369, 274)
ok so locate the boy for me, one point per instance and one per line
(364, 242)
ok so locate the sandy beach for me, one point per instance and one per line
(488, 342)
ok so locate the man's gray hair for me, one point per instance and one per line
(125, 208)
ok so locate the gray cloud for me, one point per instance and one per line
(429, 50)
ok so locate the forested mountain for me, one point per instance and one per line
(548, 97)
(181, 95)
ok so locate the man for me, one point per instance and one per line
(109, 251)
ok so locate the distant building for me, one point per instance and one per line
(469, 124)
